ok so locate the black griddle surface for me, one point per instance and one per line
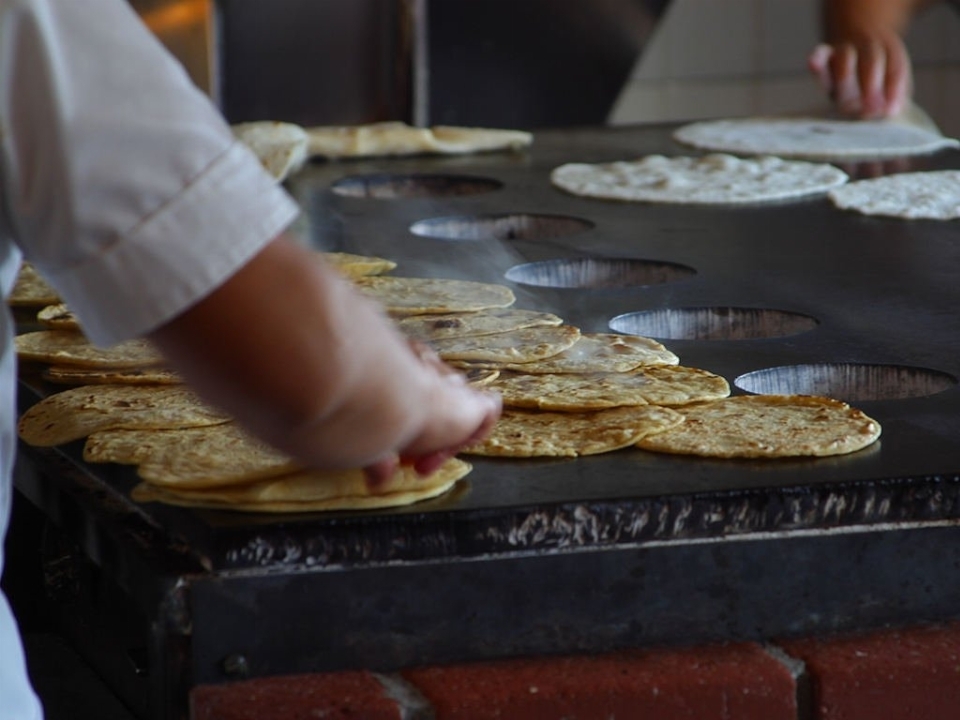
(883, 291)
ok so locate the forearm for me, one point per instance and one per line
(845, 20)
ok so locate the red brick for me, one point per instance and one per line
(890, 675)
(706, 683)
(331, 696)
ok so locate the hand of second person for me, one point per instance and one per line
(868, 77)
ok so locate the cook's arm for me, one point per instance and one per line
(126, 188)
(297, 355)
(864, 64)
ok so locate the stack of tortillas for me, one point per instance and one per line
(132, 410)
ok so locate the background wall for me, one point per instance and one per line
(713, 58)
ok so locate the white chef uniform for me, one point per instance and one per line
(122, 184)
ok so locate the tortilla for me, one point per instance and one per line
(428, 328)
(79, 412)
(920, 195)
(280, 146)
(767, 426)
(31, 290)
(517, 346)
(668, 385)
(198, 457)
(123, 376)
(313, 490)
(812, 138)
(481, 377)
(596, 352)
(69, 347)
(715, 179)
(398, 138)
(404, 296)
(355, 266)
(58, 317)
(522, 433)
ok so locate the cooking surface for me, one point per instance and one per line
(623, 549)
(883, 292)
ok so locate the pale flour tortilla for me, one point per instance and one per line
(198, 457)
(812, 138)
(517, 346)
(313, 490)
(668, 385)
(79, 412)
(593, 353)
(31, 290)
(398, 138)
(280, 146)
(715, 179)
(428, 328)
(767, 426)
(123, 376)
(523, 433)
(71, 347)
(355, 266)
(402, 296)
(920, 195)
(58, 317)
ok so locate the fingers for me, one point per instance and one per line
(869, 78)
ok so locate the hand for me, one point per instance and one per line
(298, 356)
(868, 77)
(379, 473)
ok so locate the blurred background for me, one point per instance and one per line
(522, 63)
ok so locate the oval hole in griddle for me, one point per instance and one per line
(597, 273)
(713, 323)
(500, 227)
(397, 187)
(847, 381)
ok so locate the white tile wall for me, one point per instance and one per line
(713, 58)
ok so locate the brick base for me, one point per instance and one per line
(891, 675)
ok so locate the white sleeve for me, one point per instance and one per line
(121, 181)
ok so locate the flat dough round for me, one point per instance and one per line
(522, 433)
(30, 289)
(70, 347)
(920, 195)
(281, 147)
(313, 490)
(79, 412)
(517, 346)
(488, 322)
(669, 385)
(404, 296)
(120, 376)
(715, 179)
(596, 352)
(198, 457)
(355, 266)
(399, 138)
(812, 138)
(767, 426)
(58, 317)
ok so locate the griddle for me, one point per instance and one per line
(547, 556)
